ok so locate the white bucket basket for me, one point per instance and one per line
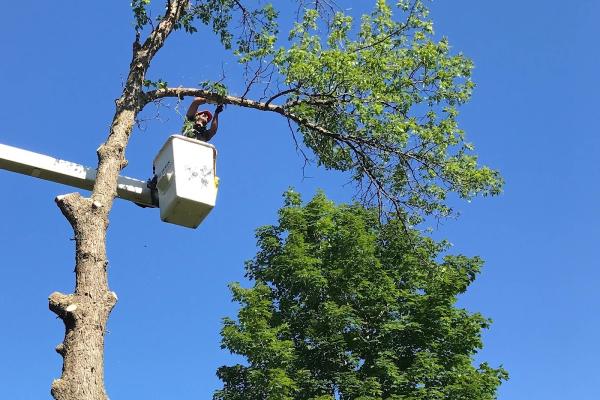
(186, 180)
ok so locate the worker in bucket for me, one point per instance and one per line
(196, 123)
(195, 127)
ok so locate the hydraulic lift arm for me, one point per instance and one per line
(68, 173)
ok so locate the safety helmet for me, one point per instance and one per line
(208, 115)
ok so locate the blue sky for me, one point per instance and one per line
(533, 116)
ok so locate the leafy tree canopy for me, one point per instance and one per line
(376, 97)
(346, 308)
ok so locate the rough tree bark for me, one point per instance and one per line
(85, 312)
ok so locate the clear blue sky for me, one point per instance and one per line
(534, 115)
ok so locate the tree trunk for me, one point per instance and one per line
(85, 312)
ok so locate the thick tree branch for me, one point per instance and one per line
(215, 98)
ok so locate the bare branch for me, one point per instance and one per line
(282, 93)
(299, 148)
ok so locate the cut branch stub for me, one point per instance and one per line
(62, 304)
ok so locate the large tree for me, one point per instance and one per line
(344, 307)
(376, 97)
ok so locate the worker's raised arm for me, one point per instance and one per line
(198, 101)
(212, 131)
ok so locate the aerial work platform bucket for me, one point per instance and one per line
(186, 180)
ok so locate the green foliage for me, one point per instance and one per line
(218, 15)
(215, 87)
(345, 308)
(388, 94)
(140, 14)
(158, 84)
(251, 35)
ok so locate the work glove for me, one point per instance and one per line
(219, 108)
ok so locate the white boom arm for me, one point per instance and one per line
(68, 173)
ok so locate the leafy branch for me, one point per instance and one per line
(379, 100)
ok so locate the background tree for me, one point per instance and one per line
(346, 308)
(378, 99)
